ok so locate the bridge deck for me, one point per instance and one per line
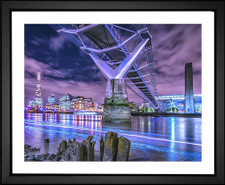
(104, 36)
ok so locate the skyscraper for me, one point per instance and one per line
(189, 95)
(38, 96)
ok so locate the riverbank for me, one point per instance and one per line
(163, 114)
(112, 148)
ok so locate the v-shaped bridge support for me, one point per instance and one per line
(124, 66)
(116, 104)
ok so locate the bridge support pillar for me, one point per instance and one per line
(116, 104)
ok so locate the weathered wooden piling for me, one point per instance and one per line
(46, 141)
(78, 152)
(62, 146)
(88, 151)
(123, 149)
(114, 148)
(101, 141)
(110, 146)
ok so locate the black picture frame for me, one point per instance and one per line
(9, 6)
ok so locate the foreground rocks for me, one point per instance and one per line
(66, 151)
(29, 149)
(111, 149)
(29, 155)
(42, 157)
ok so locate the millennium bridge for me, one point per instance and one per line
(123, 53)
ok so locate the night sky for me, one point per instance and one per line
(67, 69)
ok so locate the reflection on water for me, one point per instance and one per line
(152, 138)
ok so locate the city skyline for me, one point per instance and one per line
(38, 100)
(167, 101)
(67, 69)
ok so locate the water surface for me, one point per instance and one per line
(152, 138)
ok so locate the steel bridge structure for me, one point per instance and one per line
(120, 52)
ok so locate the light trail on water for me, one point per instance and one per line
(120, 133)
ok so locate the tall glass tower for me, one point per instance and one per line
(189, 95)
(38, 96)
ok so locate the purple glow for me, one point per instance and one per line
(173, 46)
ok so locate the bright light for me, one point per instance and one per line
(85, 113)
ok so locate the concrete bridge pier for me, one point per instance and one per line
(116, 104)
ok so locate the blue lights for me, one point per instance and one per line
(51, 99)
(26, 108)
(172, 128)
(150, 138)
(85, 113)
(175, 103)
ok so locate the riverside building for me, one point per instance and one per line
(72, 103)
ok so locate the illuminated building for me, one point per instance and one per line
(93, 107)
(51, 99)
(81, 103)
(145, 104)
(38, 96)
(189, 95)
(78, 103)
(65, 103)
(37, 101)
(132, 106)
(198, 103)
(88, 102)
(52, 106)
(146, 107)
(32, 103)
(102, 108)
(169, 103)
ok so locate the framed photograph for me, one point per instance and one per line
(112, 92)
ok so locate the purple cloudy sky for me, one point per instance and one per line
(67, 69)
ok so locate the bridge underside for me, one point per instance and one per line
(117, 51)
(100, 35)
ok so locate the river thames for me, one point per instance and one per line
(152, 138)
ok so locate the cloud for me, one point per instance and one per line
(32, 66)
(173, 46)
(52, 85)
(67, 69)
(61, 88)
(56, 43)
(45, 48)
